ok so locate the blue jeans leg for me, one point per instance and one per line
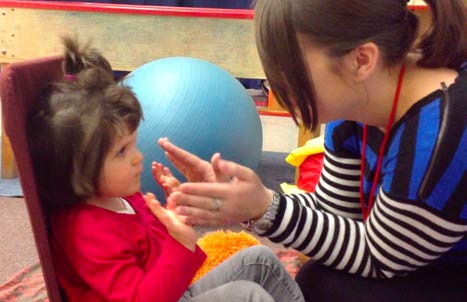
(257, 264)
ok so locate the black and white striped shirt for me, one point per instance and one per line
(419, 215)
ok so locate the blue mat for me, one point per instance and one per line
(272, 169)
(10, 187)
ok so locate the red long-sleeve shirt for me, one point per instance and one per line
(101, 255)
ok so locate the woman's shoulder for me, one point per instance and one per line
(435, 122)
(445, 105)
(343, 137)
(426, 157)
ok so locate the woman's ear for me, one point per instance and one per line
(362, 60)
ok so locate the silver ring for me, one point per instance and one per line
(217, 204)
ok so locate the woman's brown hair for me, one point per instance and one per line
(341, 25)
(74, 126)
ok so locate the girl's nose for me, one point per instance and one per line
(138, 158)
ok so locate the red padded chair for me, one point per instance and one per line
(20, 86)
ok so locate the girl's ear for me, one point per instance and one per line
(362, 60)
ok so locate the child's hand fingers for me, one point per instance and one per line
(181, 232)
(152, 202)
(160, 172)
(159, 177)
(156, 171)
(156, 208)
(168, 218)
(167, 172)
(156, 167)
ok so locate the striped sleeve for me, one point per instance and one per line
(338, 188)
(398, 236)
(403, 237)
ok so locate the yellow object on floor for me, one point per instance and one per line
(219, 246)
(298, 155)
(290, 189)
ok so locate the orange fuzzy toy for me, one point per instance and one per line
(219, 246)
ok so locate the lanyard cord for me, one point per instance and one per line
(366, 210)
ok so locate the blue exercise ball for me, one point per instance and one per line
(199, 107)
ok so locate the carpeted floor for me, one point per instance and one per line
(17, 249)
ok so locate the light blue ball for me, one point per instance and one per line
(199, 107)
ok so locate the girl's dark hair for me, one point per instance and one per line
(339, 27)
(74, 126)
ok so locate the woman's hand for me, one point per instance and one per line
(191, 166)
(242, 198)
(164, 177)
(181, 232)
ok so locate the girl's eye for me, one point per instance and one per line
(121, 152)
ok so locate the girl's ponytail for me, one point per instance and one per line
(444, 45)
(86, 66)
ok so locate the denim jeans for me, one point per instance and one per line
(252, 275)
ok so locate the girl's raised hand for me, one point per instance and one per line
(164, 177)
(181, 232)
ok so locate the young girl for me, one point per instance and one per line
(111, 243)
(389, 216)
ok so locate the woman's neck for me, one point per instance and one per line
(420, 82)
(417, 83)
(380, 90)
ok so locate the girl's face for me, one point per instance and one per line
(121, 172)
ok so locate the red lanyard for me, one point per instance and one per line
(366, 210)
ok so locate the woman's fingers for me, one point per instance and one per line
(199, 201)
(201, 217)
(200, 210)
(215, 160)
(180, 155)
(234, 170)
(242, 197)
(191, 166)
(185, 215)
(177, 163)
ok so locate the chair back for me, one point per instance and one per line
(21, 84)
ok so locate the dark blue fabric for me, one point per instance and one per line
(413, 170)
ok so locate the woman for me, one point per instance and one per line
(391, 199)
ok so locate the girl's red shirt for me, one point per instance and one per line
(102, 255)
